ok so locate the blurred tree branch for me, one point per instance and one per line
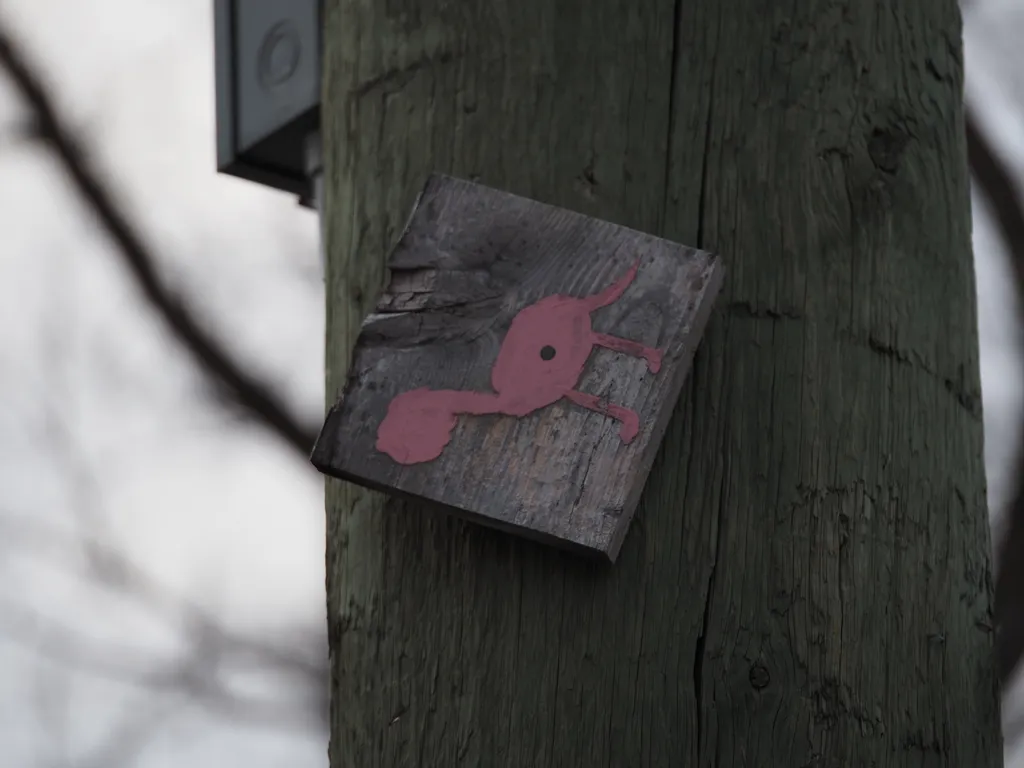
(197, 673)
(214, 359)
(203, 672)
(996, 184)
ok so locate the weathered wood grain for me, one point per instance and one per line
(482, 379)
(806, 582)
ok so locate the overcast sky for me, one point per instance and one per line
(101, 427)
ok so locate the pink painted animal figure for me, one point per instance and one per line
(540, 361)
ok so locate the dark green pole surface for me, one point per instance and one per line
(807, 581)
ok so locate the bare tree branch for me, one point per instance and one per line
(126, 743)
(998, 187)
(996, 183)
(119, 574)
(254, 396)
(197, 674)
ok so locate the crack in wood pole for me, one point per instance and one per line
(672, 83)
(700, 650)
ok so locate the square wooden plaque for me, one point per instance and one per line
(521, 366)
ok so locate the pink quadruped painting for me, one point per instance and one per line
(540, 362)
(520, 367)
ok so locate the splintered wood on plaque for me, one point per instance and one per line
(521, 366)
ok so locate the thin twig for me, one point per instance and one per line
(996, 184)
(254, 396)
(122, 576)
(196, 673)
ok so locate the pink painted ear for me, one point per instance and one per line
(417, 427)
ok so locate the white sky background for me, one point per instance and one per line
(101, 426)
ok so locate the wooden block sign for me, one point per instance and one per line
(521, 366)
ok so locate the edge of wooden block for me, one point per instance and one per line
(709, 297)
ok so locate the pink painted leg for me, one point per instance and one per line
(629, 421)
(627, 347)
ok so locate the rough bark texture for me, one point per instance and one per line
(807, 579)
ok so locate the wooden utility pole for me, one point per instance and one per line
(807, 580)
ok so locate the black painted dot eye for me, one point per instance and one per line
(547, 352)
